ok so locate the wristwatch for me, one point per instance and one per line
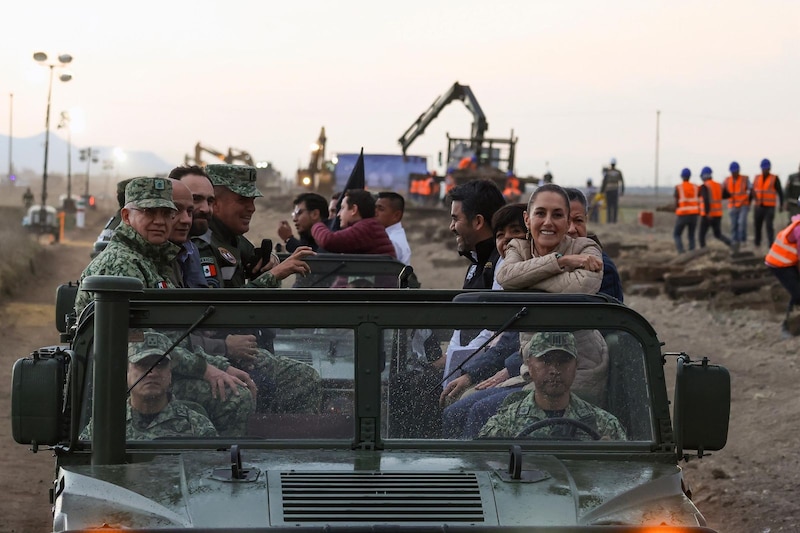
(558, 255)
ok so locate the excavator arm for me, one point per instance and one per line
(456, 92)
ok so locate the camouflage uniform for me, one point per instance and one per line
(189, 366)
(284, 385)
(519, 411)
(130, 254)
(223, 254)
(177, 419)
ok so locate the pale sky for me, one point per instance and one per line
(577, 81)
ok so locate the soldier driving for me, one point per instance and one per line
(552, 361)
(152, 410)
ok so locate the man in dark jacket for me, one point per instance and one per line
(309, 208)
(361, 232)
(473, 205)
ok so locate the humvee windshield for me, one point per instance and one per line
(306, 381)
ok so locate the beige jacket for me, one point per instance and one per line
(522, 270)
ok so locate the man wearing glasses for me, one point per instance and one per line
(140, 247)
(309, 208)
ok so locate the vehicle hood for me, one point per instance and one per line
(314, 488)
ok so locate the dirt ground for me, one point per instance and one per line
(747, 487)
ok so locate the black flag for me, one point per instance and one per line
(355, 181)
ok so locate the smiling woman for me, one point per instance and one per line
(550, 260)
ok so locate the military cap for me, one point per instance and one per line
(543, 343)
(240, 179)
(149, 192)
(154, 343)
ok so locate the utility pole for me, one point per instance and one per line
(658, 119)
(90, 156)
(10, 138)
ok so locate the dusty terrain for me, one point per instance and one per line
(747, 487)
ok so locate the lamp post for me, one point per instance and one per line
(69, 205)
(41, 58)
(90, 155)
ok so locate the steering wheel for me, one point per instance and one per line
(560, 421)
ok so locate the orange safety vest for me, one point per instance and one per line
(738, 191)
(764, 190)
(688, 201)
(714, 200)
(783, 253)
(512, 187)
(424, 187)
(414, 187)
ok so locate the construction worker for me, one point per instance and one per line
(512, 192)
(27, 198)
(592, 208)
(766, 195)
(435, 189)
(613, 187)
(792, 193)
(710, 193)
(782, 261)
(413, 190)
(687, 208)
(737, 189)
(424, 190)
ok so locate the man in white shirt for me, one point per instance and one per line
(389, 209)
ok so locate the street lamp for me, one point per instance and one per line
(69, 205)
(63, 60)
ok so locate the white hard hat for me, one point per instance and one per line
(613, 160)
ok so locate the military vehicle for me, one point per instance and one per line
(355, 463)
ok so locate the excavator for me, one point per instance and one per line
(318, 175)
(233, 156)
(469, 158)
(267, 175)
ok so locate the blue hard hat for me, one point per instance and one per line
(765, 163)
(685, 173)
(734, 167)
(509, 173)
(706, 172)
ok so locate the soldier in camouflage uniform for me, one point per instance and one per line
(152, 411)
(552, 361)
(230, 256)
(229, 260)
(139, 247)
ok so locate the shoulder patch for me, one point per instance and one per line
(227, 256)
(207, 260)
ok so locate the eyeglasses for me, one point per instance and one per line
(298, 212)
(157, 212)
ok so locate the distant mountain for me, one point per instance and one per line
(28, 157)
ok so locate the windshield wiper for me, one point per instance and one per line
(207, 313)
(519, 314)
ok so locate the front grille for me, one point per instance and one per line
(380, 497)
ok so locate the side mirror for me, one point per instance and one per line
(702, 406)
(37, 397)
(65, 306)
